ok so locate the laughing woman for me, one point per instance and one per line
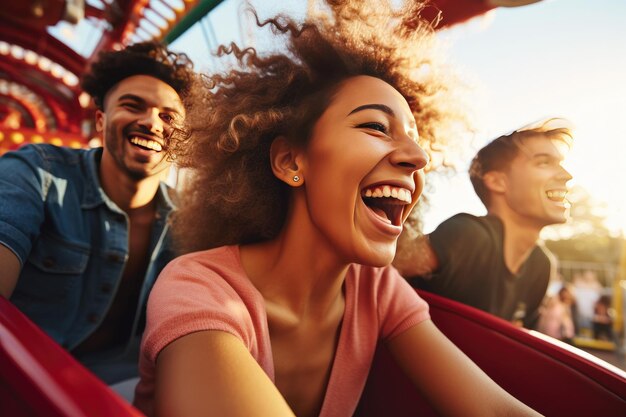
(304, 166)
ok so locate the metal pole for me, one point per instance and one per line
(202, 9)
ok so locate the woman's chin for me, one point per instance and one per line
(378, 257)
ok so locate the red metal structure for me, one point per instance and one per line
(40, 96)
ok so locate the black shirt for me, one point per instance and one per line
(472, 269)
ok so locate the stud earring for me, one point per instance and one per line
(296, 178)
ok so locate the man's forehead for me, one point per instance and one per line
(146, 88)
(539, 144)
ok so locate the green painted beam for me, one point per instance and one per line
(198, 12)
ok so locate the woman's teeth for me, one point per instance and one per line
(398, 193)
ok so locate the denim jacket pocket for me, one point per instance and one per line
(50, 285)
(53, 255)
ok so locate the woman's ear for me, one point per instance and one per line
(286, 162)
(495, 181)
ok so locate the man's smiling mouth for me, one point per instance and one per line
(387, 202)
(148, 144)
(556, 195)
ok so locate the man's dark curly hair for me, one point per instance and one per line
(145, 58)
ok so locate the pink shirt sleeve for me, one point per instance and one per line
(188, 297)
(201, 291)
(399, 305)
(379, 305)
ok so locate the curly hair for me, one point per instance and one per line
(145, 58)
(231, 195)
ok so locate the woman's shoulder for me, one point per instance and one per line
(384, 296)
(205, 290)
(373, 280)
(227, 256)
(199, 274)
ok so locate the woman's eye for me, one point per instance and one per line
(168, 118)
(374, 126)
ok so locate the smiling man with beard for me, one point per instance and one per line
(495, 262)
(83, 233)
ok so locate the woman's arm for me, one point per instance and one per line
(211, 373)
(452, 383)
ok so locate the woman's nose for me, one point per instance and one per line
(409, 154)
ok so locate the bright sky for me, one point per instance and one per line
(553, 58)
(559, 57)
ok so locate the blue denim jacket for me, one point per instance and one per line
(71, 240)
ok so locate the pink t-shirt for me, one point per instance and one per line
(209, 290)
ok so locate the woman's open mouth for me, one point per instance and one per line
(387, 202)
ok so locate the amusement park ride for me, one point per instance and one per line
(41, 102)
(40, 95)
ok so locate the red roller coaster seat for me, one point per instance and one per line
(40, 379)
(553, 378)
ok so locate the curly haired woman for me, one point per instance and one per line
(305, 164)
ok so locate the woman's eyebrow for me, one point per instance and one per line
(381, 107)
